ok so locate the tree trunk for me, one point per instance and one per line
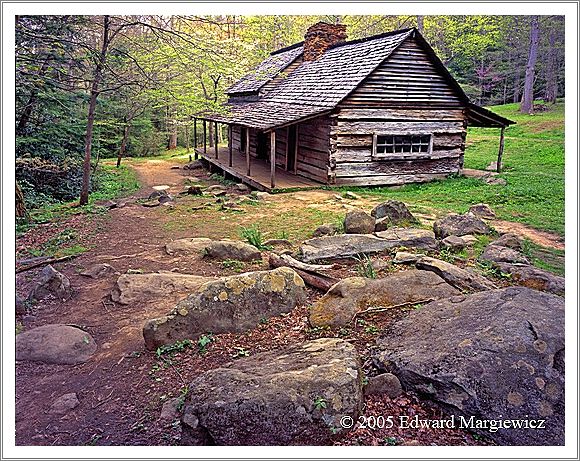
(123, 144)
(84, 198)
(27, 112)
(420, 24)
(20, 203)
(551, 77)
(527, 105)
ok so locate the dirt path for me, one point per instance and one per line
(122, 388)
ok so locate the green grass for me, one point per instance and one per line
(533, 167)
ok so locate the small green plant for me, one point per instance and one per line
(222, 180)
(233, 264)
(365, 266)
(339, 225)
(343, 332)
(19, 327)
(240, 352)
(489, 270)
(203, 342)
(253, 236)
(371, 329)
(177, 346)
(263, 321)
(181, 399)
(446, 255)
(392, 441)
(283, 235)
(319, 403)
(417, 306)
(365, 380)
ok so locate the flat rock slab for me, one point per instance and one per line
(355, 294)
(161, 187)
(497, 355)
(131, 288)
(277, 397)
(229, 305)
(187, 246)
(463, 279)
(348, 245)
(409, 237)
(532, 277)
(55, 343)
(98, 271)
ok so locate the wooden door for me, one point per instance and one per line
(291, 158)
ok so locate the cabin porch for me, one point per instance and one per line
(260, 172)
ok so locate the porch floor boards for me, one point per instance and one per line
(259, 171)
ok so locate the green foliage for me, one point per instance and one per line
(320, 403)
(253, 235)
(170, 349)
(240, 352)
(365, 266)
(203, 342)
(392, 441)
(234, 264)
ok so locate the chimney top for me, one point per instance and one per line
(320, 37)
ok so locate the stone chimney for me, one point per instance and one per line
(320, 37)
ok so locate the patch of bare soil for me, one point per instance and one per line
(545, 239)
(123, 387)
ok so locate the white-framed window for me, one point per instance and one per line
(401, 145)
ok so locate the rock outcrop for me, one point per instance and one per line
(275, 398)
(497, 355)
(228, 305)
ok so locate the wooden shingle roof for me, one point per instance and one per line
(268, 69)
(317, 87)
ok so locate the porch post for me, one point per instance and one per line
(500, 152)
(248, 151)
(204, 137)
(273, 159)
(195, 136)
(230, 145)
(215, 129)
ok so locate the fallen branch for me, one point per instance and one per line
(313, 279)
(295, 264)
(44, 262)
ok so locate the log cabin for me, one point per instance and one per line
(381, 110)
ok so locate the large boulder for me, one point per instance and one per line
(460, 224)
(482, 210)
(55, 343)
(532, 277)
(276, 398)
(131, 288)
(358, 222)
(509, 240)
(232, 249)
(50, 282)
(500, 254)
(463, 279)
(496, 356)
(229, 305)
(408, 237)
(393, 213)
(355, 294)
(187, 246)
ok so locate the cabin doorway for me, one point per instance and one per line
(291, 158)
(262, 146)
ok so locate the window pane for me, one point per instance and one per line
(402, 144)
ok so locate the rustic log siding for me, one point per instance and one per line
(312, 159)
(408, 78)
(281, 148)
(351, 145)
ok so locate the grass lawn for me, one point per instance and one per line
(533, 167)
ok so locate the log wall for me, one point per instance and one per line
(313, 146)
